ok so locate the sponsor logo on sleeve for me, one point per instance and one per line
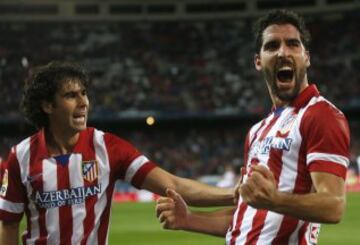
(5, 183)
(314, 233)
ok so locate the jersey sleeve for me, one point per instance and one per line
(326, 136)
(129, 164)
(12, 192)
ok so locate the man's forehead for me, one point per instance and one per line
(71, 84)
(276, 31)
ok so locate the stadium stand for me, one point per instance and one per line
(176, 70)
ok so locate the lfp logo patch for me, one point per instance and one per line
(90, 170)
(4, 184)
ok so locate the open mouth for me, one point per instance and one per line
(285, 75)
(79, 118)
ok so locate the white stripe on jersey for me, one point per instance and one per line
(134, 167)
(23, 158)
(78, 211)
(246, 225)
(268, 232)
(49, 171)
(11, 207)
(327, 157)
(287, 177)
(104, 175)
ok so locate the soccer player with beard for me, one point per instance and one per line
(295, 159)
(63, 176)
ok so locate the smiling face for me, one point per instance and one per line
(283, 61)
(69, 112)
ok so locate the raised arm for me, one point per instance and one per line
(174, 214)
(194, 192)
(9, 233)
(325, 204)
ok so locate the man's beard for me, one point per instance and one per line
(288, 96)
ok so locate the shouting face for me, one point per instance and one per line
(283, 60)
(69, 112)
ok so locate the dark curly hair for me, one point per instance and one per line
(280, 16)
(43, 85)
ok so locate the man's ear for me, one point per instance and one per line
(257, 62)
(47, 107)
(307, 53)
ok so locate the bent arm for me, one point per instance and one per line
(325, 205)
(194, 192)
(212, 223)
(9, 232)
(174, 214)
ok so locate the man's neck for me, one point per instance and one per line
(60, 143)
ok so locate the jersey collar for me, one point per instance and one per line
(305, 96)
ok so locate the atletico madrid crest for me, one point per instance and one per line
(90, 170)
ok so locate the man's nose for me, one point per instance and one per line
(82, 100)
(283, 51)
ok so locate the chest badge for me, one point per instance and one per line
(287, 124)
(90, 170)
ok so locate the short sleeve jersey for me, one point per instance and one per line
(310, 135)
(67, 198)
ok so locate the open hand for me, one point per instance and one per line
(172, 211)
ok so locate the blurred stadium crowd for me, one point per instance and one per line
(178, 68)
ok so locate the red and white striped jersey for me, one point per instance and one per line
(67, 199)
(310, 135)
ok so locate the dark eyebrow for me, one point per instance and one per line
(270, 43)
(294, 40)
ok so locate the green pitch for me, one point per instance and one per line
(135, 223)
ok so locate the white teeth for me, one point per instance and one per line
(285, 68)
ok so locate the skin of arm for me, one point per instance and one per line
(174, 214)
(193, 192)
(9, 232)
(325, 205)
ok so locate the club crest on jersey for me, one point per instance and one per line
(287, 124)
(4, 184)
(90, 170)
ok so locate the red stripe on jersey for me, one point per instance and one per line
(27, 233)
(236, 231)
(288, 226)
(303, 182)
(6, 216)
(268, 127)
(121, 154)
(254, 137)
(257, 225)
(275, 167)
(328, 167)
(66, 225)
(302, 232)
(36, 169)
(88, 154)
(14, 185)
(140, 175)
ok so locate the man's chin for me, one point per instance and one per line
(286, 96)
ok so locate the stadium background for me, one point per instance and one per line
(187, 65)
